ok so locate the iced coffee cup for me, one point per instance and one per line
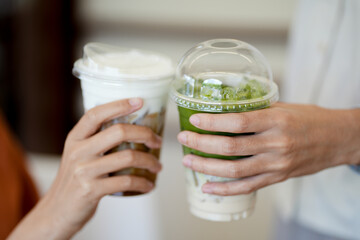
(220, 76)
(109, 73)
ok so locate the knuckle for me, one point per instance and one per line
(74, 152)
(242, 123)
(225, 190)
(149, 134)
(233, 171)
(69, 136)
(127, 181)
(200, 166)
(146, 133)
(287, 143)
(283, 165)
(229, 146)
(86, 190)
(80, 171)
(209, 122)
(72, 157)
(281, 178)
(130, 156)
(122, 104)
(67, 147)
(248, 188)
(284, 119)
(193, 140)
(120, 131)
(91, 115)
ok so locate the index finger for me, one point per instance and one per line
(92, 120)
(244, 122)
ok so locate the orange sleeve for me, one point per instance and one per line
(17, 190)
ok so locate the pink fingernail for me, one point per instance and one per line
(135, 102)
(187, 161)
(158, 168)
(207, 188)
(195, 120)
(182, 137)
(159, 139)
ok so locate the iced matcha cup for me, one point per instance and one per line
(109, 73)
(220, 76)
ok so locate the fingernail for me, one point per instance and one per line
(182, 137)
(158, 139)
(135, 102)
(187, 160)
(157, 143)
(195, 120)
(157, 169)
(207, 188)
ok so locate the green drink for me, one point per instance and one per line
(253, 89)
(184, 114)
(206, 83)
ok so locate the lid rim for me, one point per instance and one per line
(120, 78)
(270, 98)
(83, 68)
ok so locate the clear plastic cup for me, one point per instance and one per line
(109, 73)
(220, 76)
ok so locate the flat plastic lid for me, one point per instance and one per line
(115, 63)
(224, 75)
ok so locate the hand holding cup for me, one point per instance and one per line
(83, 178)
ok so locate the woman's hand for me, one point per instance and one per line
(289, 141)
(83, 179)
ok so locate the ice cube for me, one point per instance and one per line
(257, 89)
(228, 93)
(211, 89)
(243, 92)
(250, 90)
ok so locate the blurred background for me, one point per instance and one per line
(40, 40)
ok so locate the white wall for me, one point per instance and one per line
(254, 14)
(172, 27)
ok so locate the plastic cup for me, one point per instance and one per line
(109, 73)
(220, 76)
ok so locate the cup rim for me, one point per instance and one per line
(229, 106)
(115, 80)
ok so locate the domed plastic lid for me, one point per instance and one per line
(114, 63)
(224, 75)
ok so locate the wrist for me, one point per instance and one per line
(41, 223)
(52, 220)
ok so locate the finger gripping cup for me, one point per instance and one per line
(220, 76)
(109, 73)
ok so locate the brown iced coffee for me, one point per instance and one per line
(110, 73)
